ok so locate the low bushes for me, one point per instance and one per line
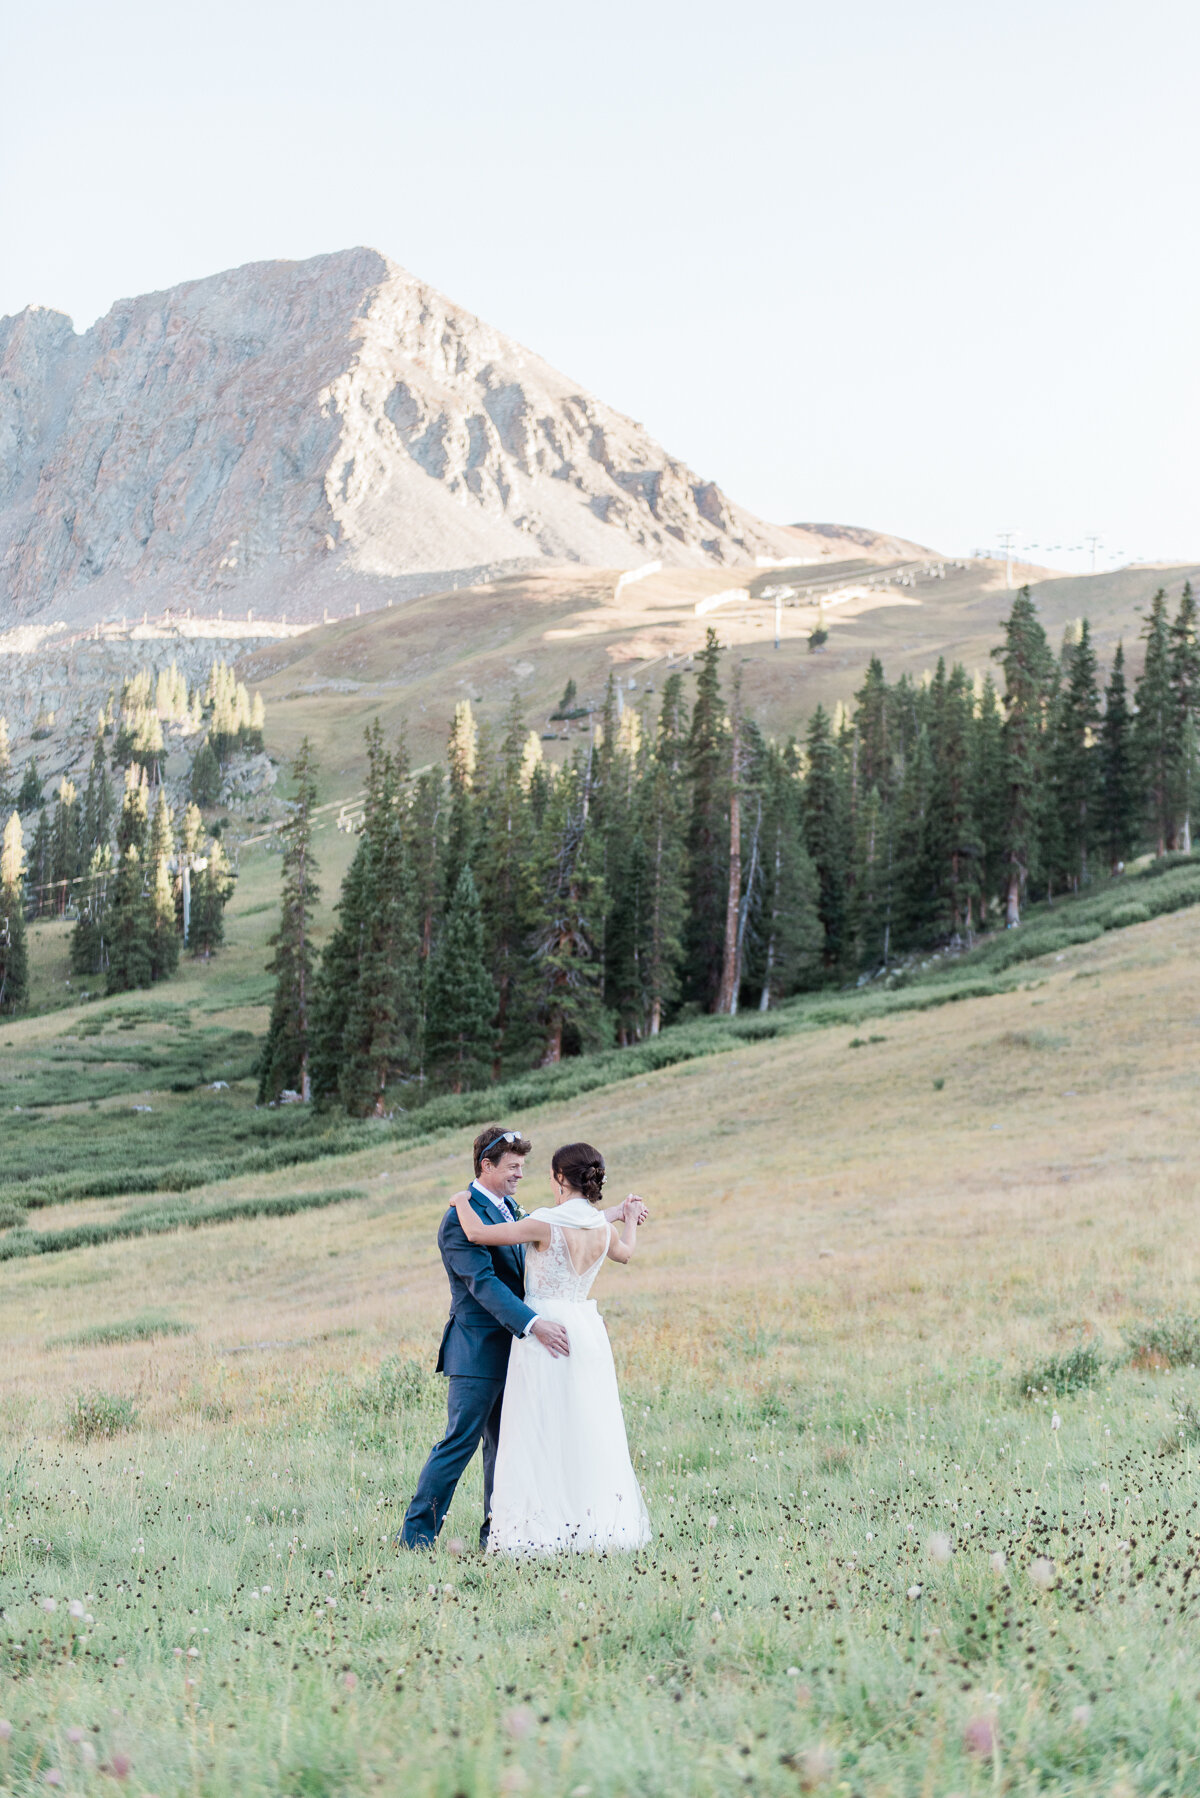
(92, 1414)
(156, 1220)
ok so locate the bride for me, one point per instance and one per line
(564, 1480)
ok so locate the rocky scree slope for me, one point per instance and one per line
(300, 435)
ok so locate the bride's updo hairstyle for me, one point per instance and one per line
(582, 1168)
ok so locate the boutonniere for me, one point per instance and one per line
(519, 1211)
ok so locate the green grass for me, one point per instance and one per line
(859, 1596)
(146, 1327)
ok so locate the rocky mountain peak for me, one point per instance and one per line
(315, 434)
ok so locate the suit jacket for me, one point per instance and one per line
(487, 1306)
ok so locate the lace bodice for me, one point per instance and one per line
(552, 1273)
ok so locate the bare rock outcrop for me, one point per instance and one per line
(323, 433)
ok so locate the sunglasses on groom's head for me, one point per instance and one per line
(508, 1136)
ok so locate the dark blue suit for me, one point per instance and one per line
(487, 1310)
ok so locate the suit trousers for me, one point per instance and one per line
(473, 1415)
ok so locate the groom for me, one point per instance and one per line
(487, 1309)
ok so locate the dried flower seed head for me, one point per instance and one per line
(940, 1548)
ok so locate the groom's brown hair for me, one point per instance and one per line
(492, 1137)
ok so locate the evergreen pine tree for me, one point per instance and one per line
(367, 997)
(461, 757)
(826, 834)
(160, 893)
(426, 833)
(89, 941)
(1155, 730)
(205, 780)
(460, 1005)
(1077, 758)
(14, 955)
(1120, 798)
(212, 888)
(29, 796)
(989, 794)
(505, 842)
(130, 941)
(918, 859)
(41, 868)
(708, 832)
(568, 910)
(64, 846)
(788, 936)
(97, 816)
(1185, 687)
(663, 816)
(285, 1059)
(958, 839)
(1027, 663)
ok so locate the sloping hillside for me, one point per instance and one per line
(533, 632)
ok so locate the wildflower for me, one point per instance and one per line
(715, 1614)
(870, 1535)
(1056, 1422)
(75, 1608)
(456, 1546)
(193, 1653)
(119, 1765)
(178, 1653)
(998, 1561)
(914, 1591)
(939, 1548)
(793, 1672)
(50, 1605)
(712, 1523)
(979, 1736)
(5, 1729)
(518, 1722)
(349, 1680)
(1041, 1572)
(52, 1776)
(331, 1602)
(1081, 1716)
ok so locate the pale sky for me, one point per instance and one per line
(933, 268)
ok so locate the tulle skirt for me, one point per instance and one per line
(564, 1481)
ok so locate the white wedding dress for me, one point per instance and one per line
(564, 1482)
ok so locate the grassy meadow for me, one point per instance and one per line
(882, 1564)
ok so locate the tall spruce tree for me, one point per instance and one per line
(97, 816)
(1185, 689)
(64, 848)
(990, 790)
(212, 888)
(708, 831)
(14, 954)
(160, 892)
(1120, 799)
(460, 1005)
(89, 939)
(826, 836)
(1076, 755)
(1027, 663)
(1155, 731)
(367, 998)
(788, 938)
(462, 754)
(567, 904)
(29, 795)
(284, 1066)
(41, 868)
(505, 845)
(205, 779)
(130, 950)
(663, 816)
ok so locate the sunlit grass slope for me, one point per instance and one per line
(865, 1242)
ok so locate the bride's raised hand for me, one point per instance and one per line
(635, 1208)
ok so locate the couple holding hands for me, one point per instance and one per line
(528, 1360)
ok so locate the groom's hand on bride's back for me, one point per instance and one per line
(552, 1336)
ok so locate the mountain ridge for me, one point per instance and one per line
(315, 435)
